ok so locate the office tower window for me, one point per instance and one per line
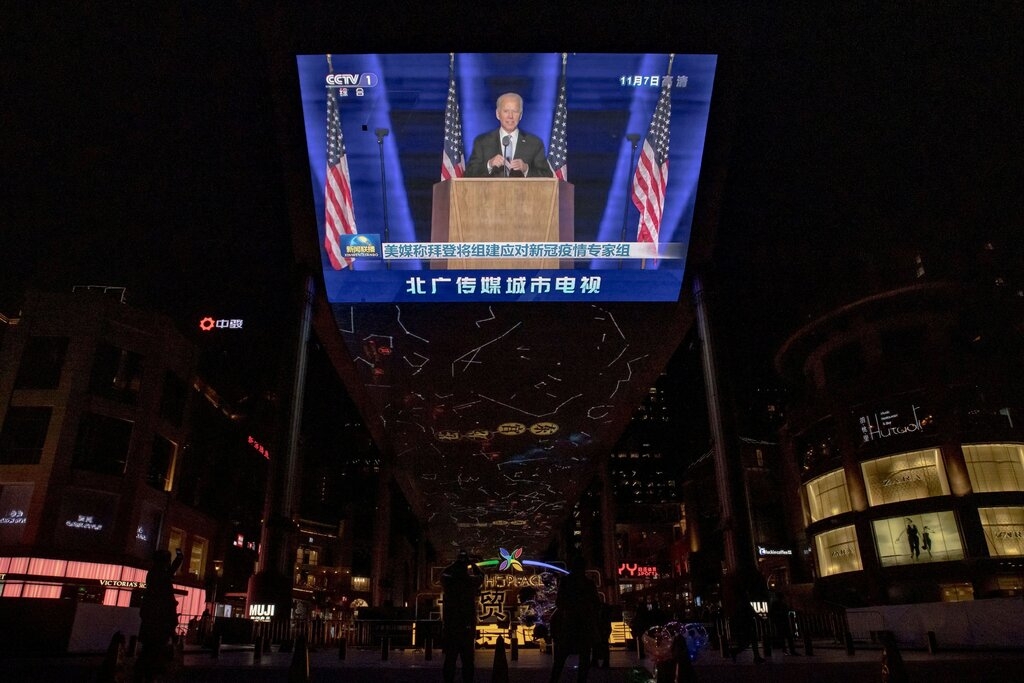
(102, 444)
(24, 434)
(162, 463)
(41, 363)
(173, 398)
(116, 374)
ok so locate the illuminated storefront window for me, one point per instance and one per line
(838, 551)
(956, 592)
(197, 558)
(906, 476)
(1004, 530)
(108, 584)
(995, 467)
(175, 540)
(361, 583)
(827, 495)
(914, 539)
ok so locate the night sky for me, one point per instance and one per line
(139, 147)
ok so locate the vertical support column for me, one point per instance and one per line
(272, 582)
(381, 537)
(610, 555)
(738, 554)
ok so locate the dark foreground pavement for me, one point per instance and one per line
(826, 665)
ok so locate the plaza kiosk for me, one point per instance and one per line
(502, 210)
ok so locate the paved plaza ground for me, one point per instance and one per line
(827, 664)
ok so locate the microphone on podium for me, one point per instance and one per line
(506, 141)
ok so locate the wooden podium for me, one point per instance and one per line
(501, 210)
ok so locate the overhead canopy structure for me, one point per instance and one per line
(493, 394)
(492, 417)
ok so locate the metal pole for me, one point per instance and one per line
(633, 138)
(723, 474)
(381, 134)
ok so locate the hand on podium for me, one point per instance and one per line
(510, 165)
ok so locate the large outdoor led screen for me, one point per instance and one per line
(394, 225)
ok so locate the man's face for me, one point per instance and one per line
(509, 112)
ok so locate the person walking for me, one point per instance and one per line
(158, 617)
(575, 625)
(461, 581)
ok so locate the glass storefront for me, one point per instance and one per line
(905, 476)
(995, 467)
(838, 551)
(918, 538)
(827, 495)
(1004, 530)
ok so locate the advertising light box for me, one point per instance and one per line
(581, 189)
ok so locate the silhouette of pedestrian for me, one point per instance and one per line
(741, 617)
(681, 665)
(575, 628)
(158, 617)
(926, 541)
(778, 617)
(461, 581)
(602, 650)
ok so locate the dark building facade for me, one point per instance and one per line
(95, 400)
(905, 440)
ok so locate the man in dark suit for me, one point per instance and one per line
(508, 151)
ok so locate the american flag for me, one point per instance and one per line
(339, 218)
(557, 148)
(453, 162)
(652, 172)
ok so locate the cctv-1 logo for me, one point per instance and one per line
(364, 80)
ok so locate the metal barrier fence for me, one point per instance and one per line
(358, 633)
(824, 625)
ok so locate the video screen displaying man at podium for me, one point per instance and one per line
(508, 151)
(579, 206)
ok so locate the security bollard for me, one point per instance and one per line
(342, 648)
(933, 645)
(848, 638)
(514, 644)
(723, 638)
(385, 647)
(808, 644)
(499, 671)
(428, 646)
(257, 651)
(298, 670)
(113, 665)
(216, 647)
